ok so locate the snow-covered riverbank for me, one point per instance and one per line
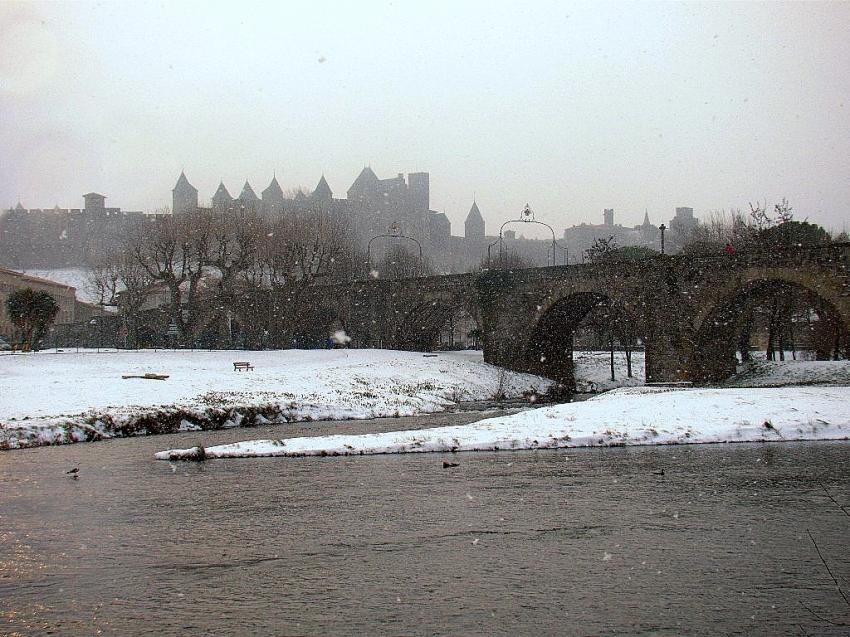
(629, 416)
(55, 398)
(48, 398)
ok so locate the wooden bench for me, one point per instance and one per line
(239, 366)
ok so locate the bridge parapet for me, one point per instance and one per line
(671, 300)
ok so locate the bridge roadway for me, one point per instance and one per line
(688, 311)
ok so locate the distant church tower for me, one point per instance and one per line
(473, 227)
(184, 196)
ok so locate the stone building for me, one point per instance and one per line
(373, 205)
(60, 237)
(578, 238)
(11, 281)
(684, 222)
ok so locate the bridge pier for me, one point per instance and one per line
(664, 360)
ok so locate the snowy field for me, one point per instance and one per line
(50, 398)
(593, 371)
(762, 373)
(55, 398)
(629, 416)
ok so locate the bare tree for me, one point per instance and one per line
(175, 251)
(400, 263)
(294, 252)
(507, 260)
(602, 249)
(719, 229)
(104, 278)
(119, 280)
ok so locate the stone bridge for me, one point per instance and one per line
(688, 311)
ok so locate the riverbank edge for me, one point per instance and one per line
(626, 417)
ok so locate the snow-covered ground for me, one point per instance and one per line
(593, 371)
(628, 416)
(55, 398)
(763, 373)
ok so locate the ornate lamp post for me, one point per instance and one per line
(526, 216)
(662, 227)
(394, 232)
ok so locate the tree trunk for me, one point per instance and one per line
(770, 353)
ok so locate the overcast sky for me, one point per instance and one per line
(572, 108)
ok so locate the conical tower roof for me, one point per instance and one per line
(248, 194)
(221, 196)
(474, 214)
(646, 218)
(274, 191)
(183, 184)
(323, 190)
(367, 175)
(19, 207)
(366, 182)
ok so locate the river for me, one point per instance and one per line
(567, 542)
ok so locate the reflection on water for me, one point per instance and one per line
(549, 542)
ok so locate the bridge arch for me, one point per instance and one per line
(318, 332)
(421, 327)
(548, 350)
(723, 326)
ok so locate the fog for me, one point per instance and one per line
(573, 108)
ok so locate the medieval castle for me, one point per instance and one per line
(396, 208)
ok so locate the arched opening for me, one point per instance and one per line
(460, 330)
(768, 319)
(594, 324)
(325, 330)
(437, 325)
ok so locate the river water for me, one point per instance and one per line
(569, 542)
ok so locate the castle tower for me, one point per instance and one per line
(365, 187)
(222, 200)
(684, 222)
(184, 196)
(419, 190)
(323, 192)
(473, 227)
(94, 202)
(248, 198)
(272, 198)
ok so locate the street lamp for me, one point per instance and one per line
(393, 232)
(526, 215)
(662, 227)
(488, 251)
(565, 252)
